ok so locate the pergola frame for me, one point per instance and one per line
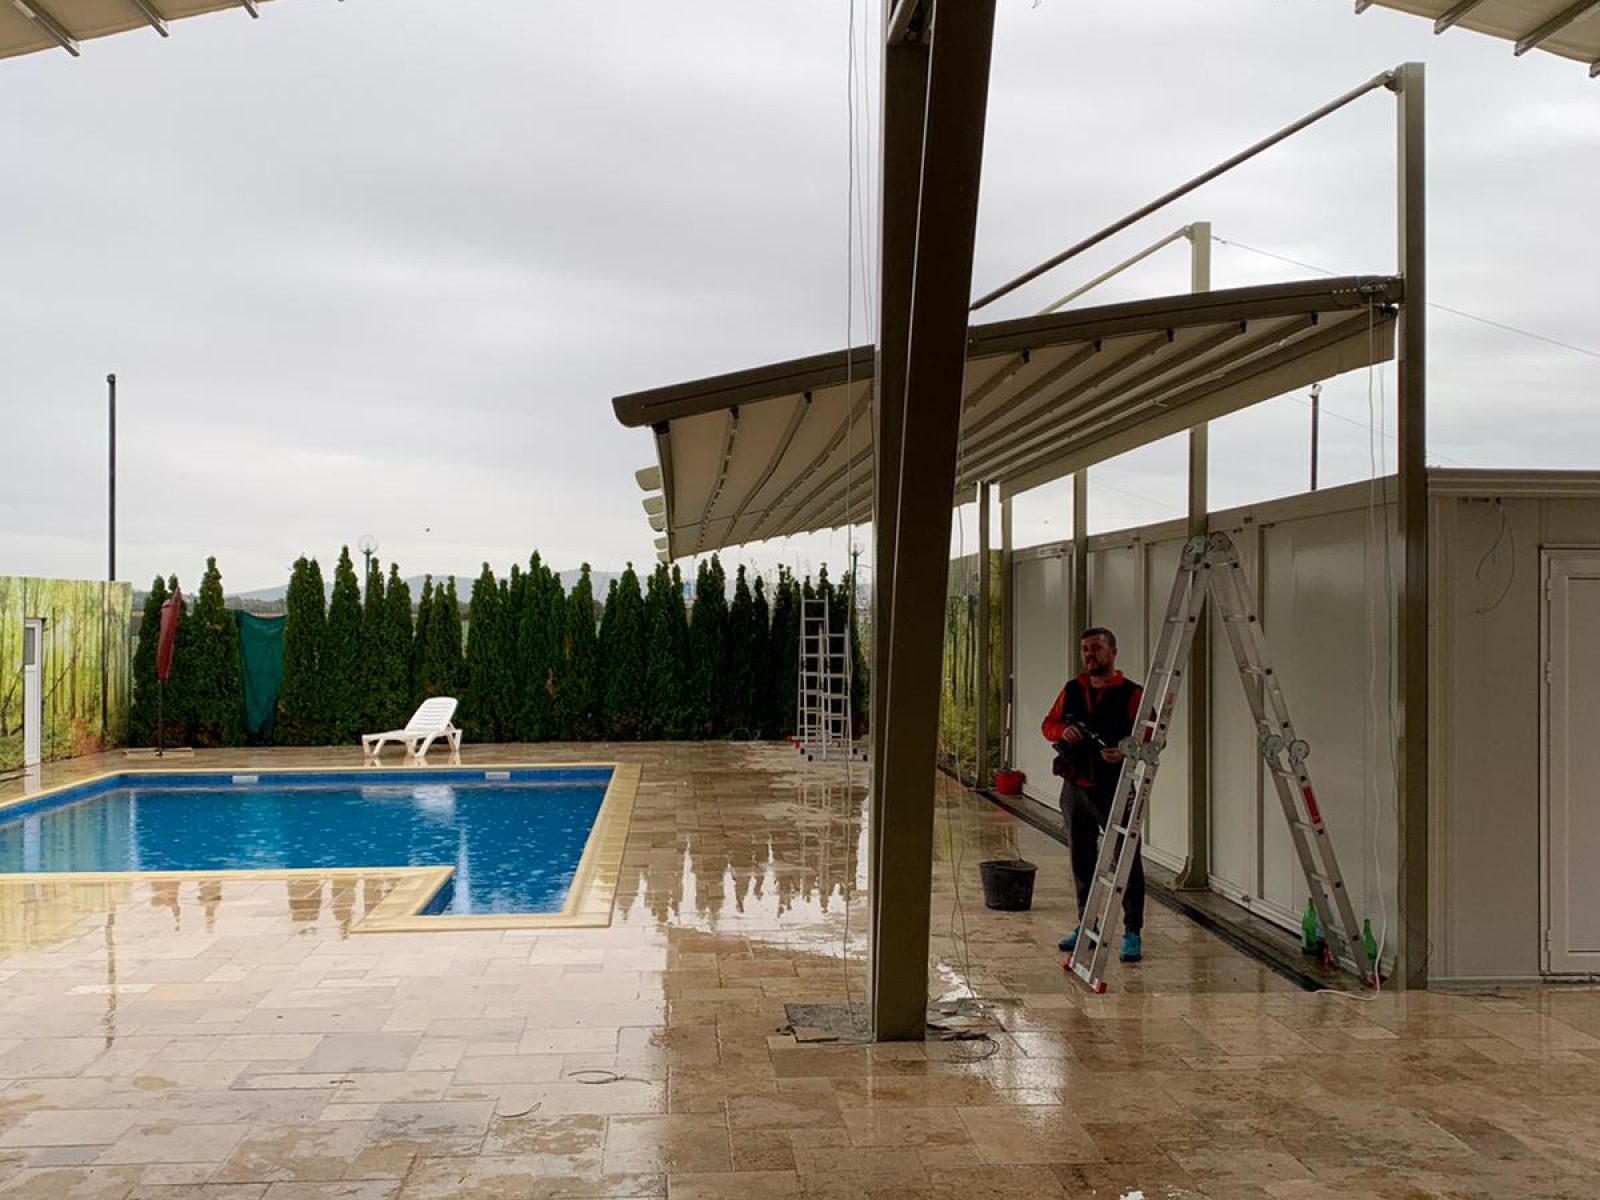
(929, 206)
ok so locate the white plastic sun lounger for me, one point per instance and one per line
(428, 724)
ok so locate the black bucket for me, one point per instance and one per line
(1008, 884)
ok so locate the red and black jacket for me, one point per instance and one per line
(1110, 711)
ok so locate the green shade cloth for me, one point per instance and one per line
(261, 665)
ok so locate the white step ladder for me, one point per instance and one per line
(823, 700)
(1210, 565)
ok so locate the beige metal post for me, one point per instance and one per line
(1080, 558)
(1412, 426)
(1008, 645)
(984, 642)
(1196, 873)
(938, 202)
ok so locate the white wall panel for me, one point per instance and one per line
(1235, 765)
(1487, 920)
(1167, 831)
(1327, 612)
(1042, 600)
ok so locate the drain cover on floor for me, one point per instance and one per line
(828, 1022)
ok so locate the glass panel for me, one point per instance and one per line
(30, 645)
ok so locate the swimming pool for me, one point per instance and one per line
(514, 838)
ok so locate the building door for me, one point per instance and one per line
(32, 690)
(1571, 761)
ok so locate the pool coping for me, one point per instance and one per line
(589, 900)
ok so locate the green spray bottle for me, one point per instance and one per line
(1370, 944)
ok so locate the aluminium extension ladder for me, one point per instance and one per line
(823, 700)
(1211, 565)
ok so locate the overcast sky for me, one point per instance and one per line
(380, 266)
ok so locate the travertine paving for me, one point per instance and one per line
(240, 1039)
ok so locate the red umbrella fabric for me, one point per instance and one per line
(171, 614)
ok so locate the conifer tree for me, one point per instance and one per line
(300, 705)
(441, 652)
(755, 650)
(216, 692)
(454, 636)
(850, 605)
(394, 699)
(678, 628)
(658, 686)
(603, 655)
(784, 655)
(374, 637)
(142, 712)
(739, 675)
(480, 707)
(421, 639)
(560, 645)
(626, 658)
(536, 642)
(513, 683)
(580, 684)
(708, 643)
(342, 667)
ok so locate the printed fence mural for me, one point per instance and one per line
(84, 656)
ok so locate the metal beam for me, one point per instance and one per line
(1452, 16)
(41, 17)
(1196, 873)
(152, 18)
(1183, 189)
(1555, 25)
(1411, 668)
(919, 472)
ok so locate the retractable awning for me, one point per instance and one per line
(787, 448)
(30, 25)
(1570, 28)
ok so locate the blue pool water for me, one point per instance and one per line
(514, 842)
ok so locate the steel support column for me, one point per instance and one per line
(917, 477)
(905, 89)
(984, 640)
(1008, 645)
(1412, 427)
(1196, 873)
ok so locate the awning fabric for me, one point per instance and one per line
(27, 25)
(787, 448)
(1570, 28)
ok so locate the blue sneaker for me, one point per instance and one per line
(1069, 943)
(1132, 948)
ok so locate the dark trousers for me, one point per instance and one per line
(1085, 814)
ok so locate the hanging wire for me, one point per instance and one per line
(1455, 312)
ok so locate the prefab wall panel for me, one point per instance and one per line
(1316, 563)
(1487, 920)
(1042, 631)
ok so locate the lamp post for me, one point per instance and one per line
(368, 545)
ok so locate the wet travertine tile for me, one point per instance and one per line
(239, 1039)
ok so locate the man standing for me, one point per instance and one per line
(1088, 721)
